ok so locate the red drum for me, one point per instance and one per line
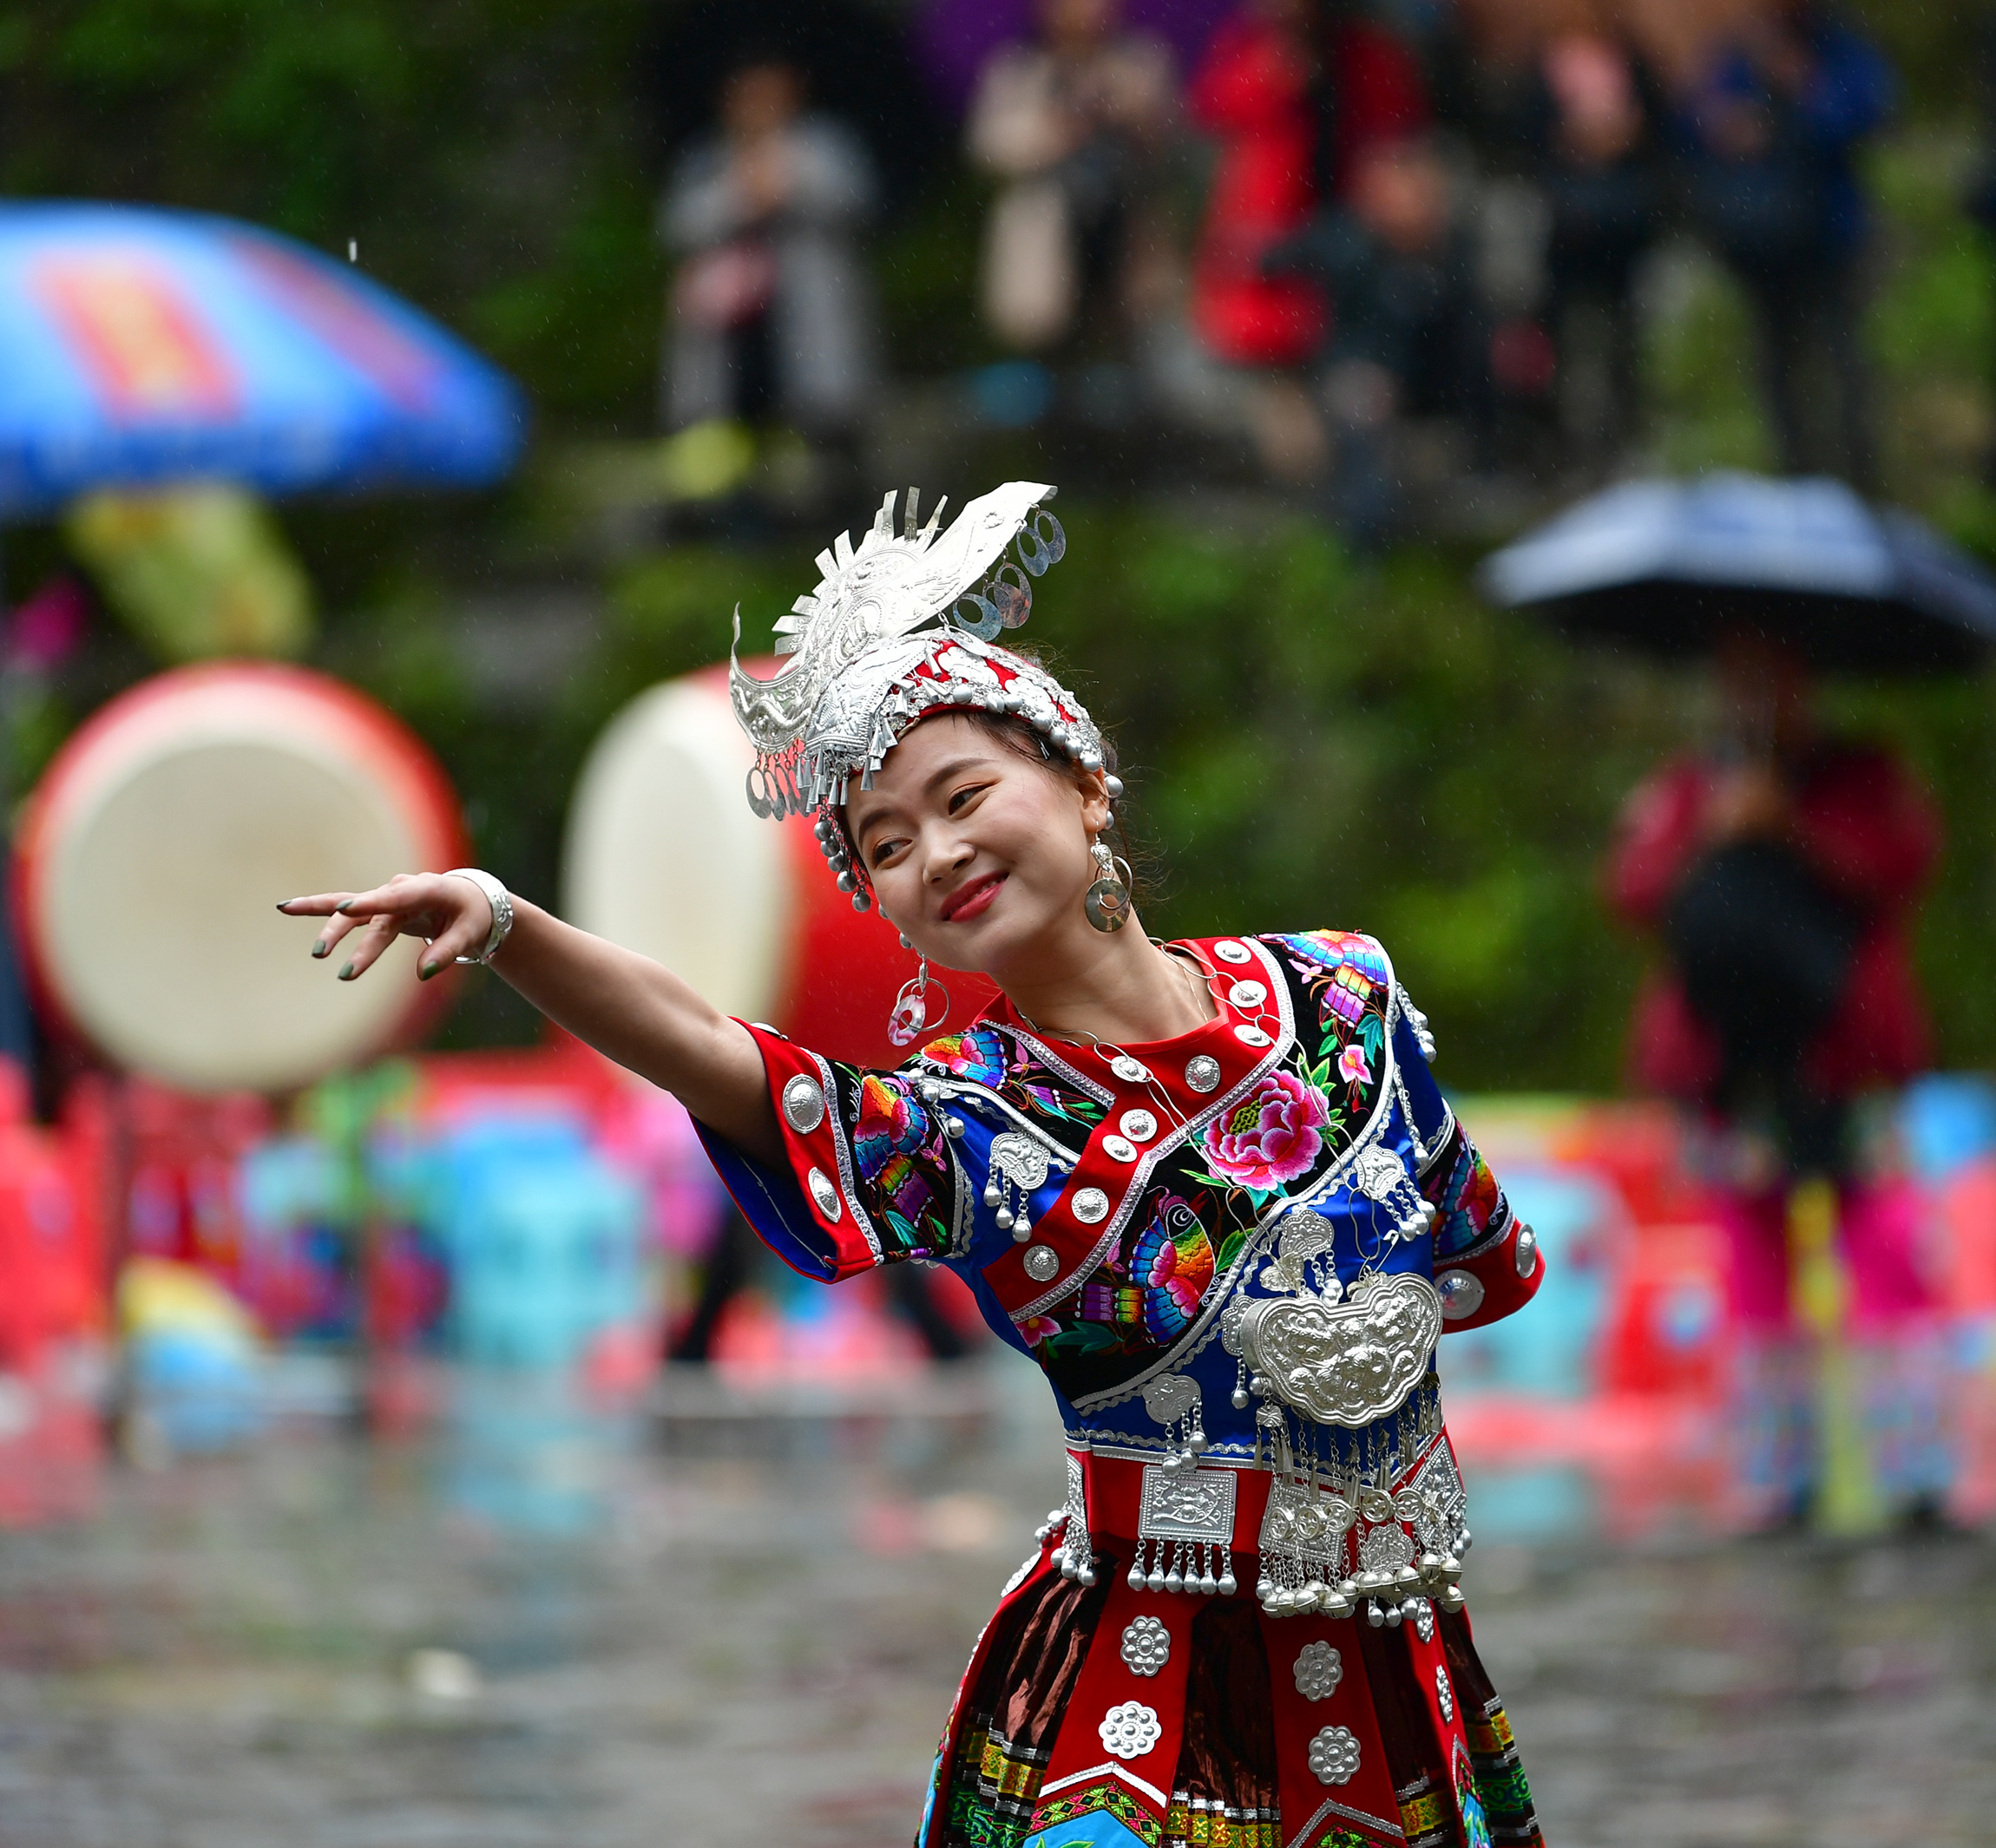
(157, 843)
(664, 856)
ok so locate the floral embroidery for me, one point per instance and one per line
(987, 1055)
(1471, 1202)
(1348, 975)
(904, 1164)
(1147, 1290)
(1172, 1264)
(977, 1055)
(1272, 1136)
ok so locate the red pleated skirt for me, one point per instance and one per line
(1112, 1715)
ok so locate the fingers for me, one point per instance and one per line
(464, 938)
(375, 937)
(453, 914)
(322, 905)
(404, 895)
(335, 929)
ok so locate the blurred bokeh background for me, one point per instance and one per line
(400, 1439)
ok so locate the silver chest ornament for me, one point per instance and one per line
(1351, 1358)
(1019, 1168)
(1380, 1176)
(1186, 1524)
(1347, 1357)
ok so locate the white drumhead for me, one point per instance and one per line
(664, 856)
(162, 840)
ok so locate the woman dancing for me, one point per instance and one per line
(1208, 1186)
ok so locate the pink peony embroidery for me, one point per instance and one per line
(1272, 1136)
(1352, 1066)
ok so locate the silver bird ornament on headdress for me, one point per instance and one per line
(901, 627)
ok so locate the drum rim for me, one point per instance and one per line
(418, 787)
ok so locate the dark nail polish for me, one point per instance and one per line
(346, 974)
(346, 904)
(430, 969)
(320, 949)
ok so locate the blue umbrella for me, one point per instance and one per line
(1669, 567)
(139, 347)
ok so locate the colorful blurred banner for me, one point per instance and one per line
(141, 347)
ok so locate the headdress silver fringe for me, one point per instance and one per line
(899, 627)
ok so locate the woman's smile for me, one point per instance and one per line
(972, 898)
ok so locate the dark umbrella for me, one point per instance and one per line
(1669, 567)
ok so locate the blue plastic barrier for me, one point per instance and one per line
(1947, 1120)
(1549, 1348)
(542, 1236)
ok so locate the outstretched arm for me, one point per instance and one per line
(627, 1006)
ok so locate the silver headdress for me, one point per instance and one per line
(900, 627)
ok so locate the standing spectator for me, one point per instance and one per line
(1593, 128)
(1771, 125)
(771, 319)
(1296, 91)
(1073, 124)
(1780, 875)
(1409, 337)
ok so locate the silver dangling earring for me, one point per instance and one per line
(910, 1021)
(1107, 902)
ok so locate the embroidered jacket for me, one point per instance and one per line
(1105, 1205)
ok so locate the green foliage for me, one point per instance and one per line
(489, 157)
(1307, 742)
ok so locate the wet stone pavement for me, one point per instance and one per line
(529, 1630)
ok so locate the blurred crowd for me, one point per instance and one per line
(1345, 233)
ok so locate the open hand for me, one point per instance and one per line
(452, 915)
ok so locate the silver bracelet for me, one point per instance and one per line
(502, 902)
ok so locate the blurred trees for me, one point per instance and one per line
(1306, 742)
(489, 157)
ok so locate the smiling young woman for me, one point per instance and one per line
(1209, 1187)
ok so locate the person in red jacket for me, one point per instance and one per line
(1296, 92)
(1780, 877)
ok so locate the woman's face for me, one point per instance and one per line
(975, 852)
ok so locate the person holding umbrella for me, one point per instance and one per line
(1778, 875)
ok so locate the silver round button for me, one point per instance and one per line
(1140, 1125)
(1119, 1148)
(1252, 1036)
(1525, 1253)
(1247, 994)
(1461, 1293)
(1131, 1071)
(1042, 1263)
(1228, 951)
(1091, 1206)
(1202, 1073)
(802, 1103)
(824, 1193)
